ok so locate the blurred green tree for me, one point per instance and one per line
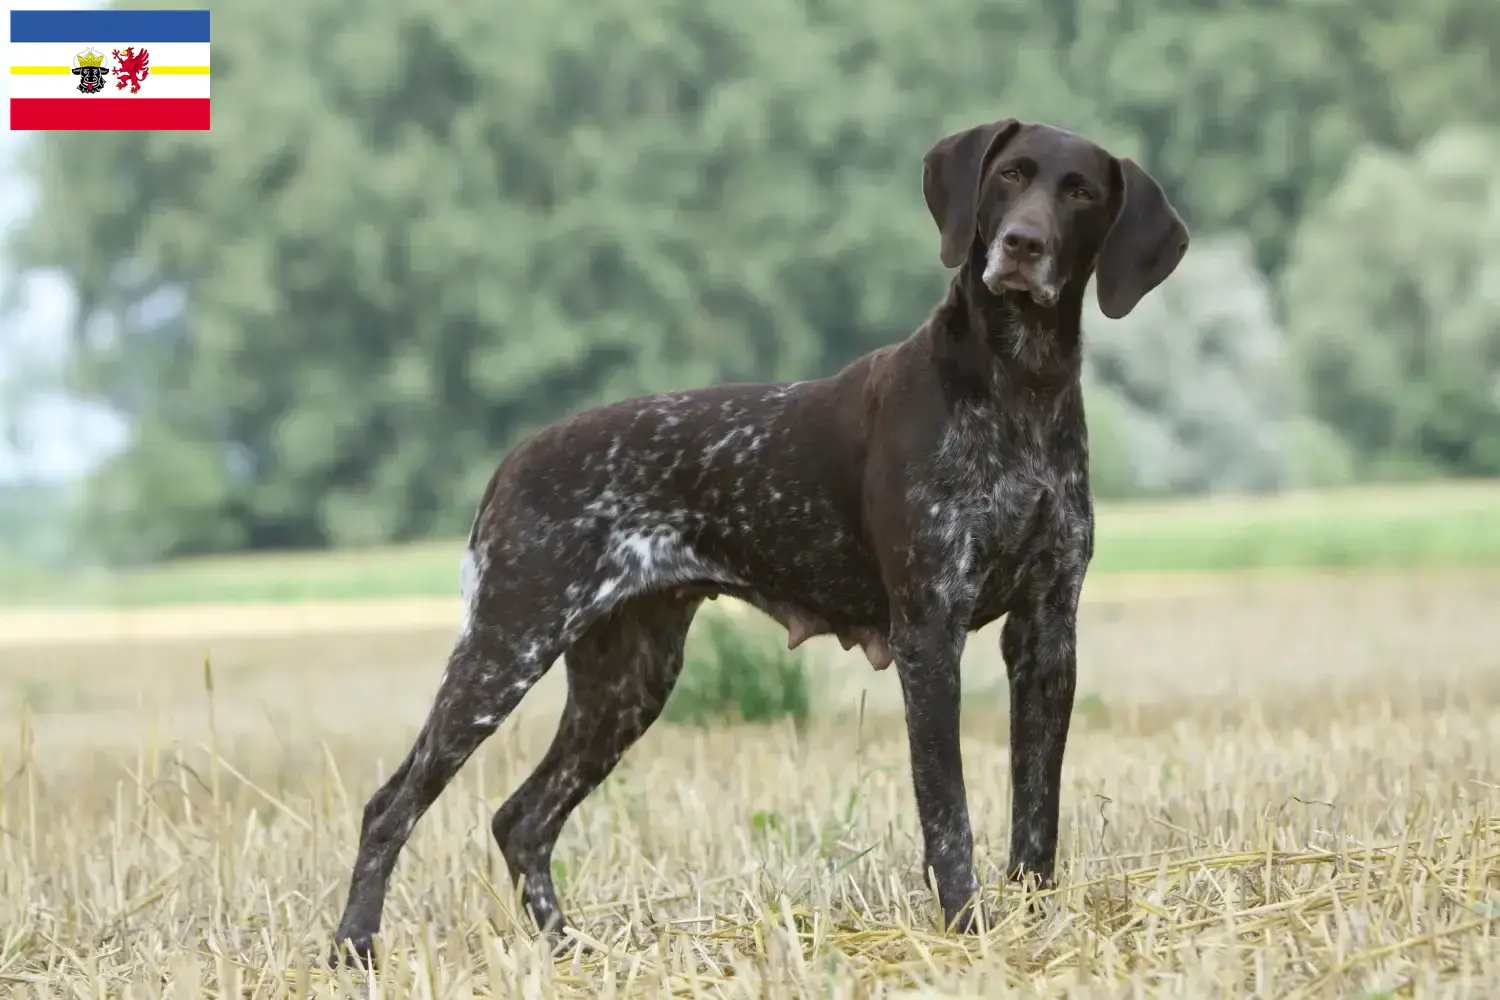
(1193, 389)
(418, 231)
(1393, 303)
(1250, 112)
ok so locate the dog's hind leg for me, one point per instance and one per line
(487, 676)
(620, 673)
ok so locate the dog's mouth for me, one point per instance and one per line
(1003, 274)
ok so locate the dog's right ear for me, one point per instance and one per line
(951, 171)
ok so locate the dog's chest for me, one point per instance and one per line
(998, 494)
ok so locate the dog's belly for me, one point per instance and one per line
(780, 543)
(812, 578)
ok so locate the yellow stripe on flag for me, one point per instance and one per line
(65, 70)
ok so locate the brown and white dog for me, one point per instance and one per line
(924, 491)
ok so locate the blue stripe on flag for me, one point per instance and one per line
(109, 27)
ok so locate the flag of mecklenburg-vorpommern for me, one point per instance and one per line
(109, 69)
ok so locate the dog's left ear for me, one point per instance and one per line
(1145, 244)
(951, 172)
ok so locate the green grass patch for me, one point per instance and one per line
(1446, 526)
(404, 571)
(738, 673)
(1428, 526)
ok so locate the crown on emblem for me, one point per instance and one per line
(90, 58)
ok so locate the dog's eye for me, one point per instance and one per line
(1010, 174)
(1082, 194)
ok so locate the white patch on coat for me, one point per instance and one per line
(994, 262)
(649, 554)
(469, 570)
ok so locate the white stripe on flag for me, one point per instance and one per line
(67, 86)
(62, 53)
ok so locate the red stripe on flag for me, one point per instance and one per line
(120, 113)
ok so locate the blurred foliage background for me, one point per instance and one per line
(418, 231)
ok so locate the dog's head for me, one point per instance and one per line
(1044, 207)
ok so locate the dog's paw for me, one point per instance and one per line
(559, 940)
(357, 952)
(972, 919)
(1035, 889)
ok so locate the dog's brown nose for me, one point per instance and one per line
(1022, 241)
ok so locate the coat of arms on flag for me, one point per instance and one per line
(109, 69)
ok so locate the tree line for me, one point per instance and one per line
(417, 231)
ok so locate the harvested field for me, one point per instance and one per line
(1277, 786)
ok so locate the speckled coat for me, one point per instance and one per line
(923, 492)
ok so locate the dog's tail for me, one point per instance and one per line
(484, 505)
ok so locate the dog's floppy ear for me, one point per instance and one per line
(951, 171)
(1145, 244)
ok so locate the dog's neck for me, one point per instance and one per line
(988, 343)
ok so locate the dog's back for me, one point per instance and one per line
(741, 488)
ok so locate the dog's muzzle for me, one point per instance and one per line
(1021, 259)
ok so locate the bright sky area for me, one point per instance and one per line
(54, 438)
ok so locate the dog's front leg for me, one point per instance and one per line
(1039, 643)
(927, 652)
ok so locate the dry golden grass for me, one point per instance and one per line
(1274, 789)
